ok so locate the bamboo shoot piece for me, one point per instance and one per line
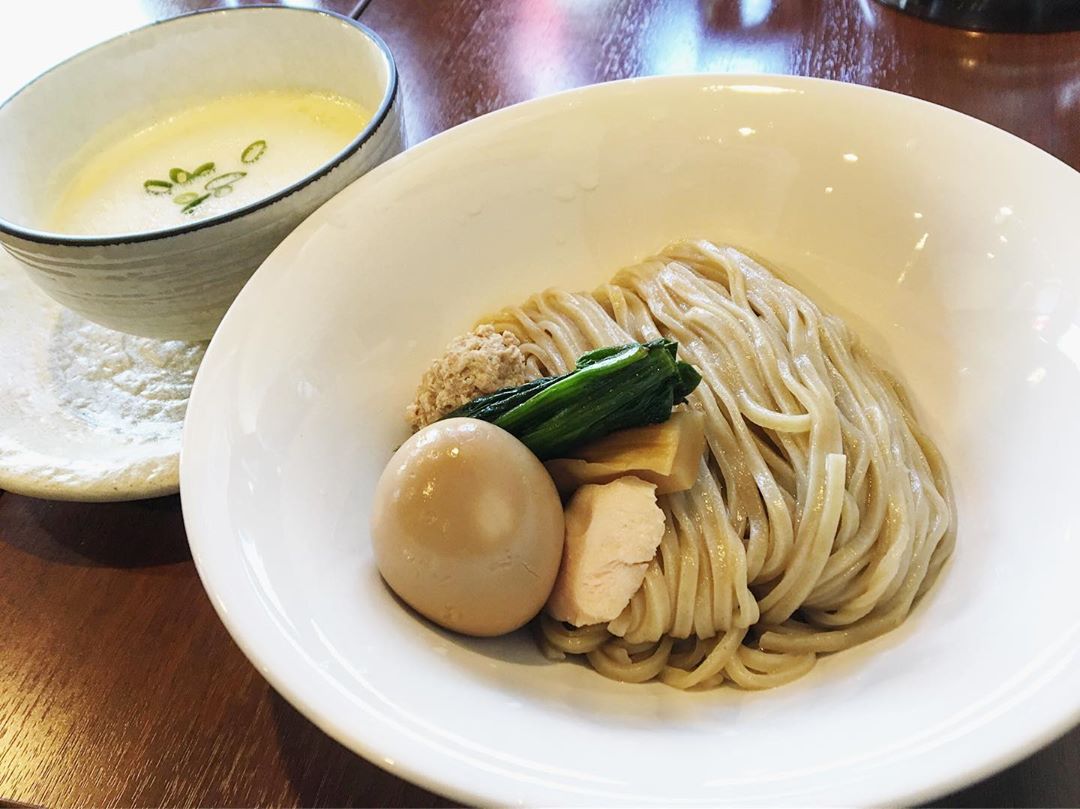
(666, 454)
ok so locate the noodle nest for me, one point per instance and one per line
(821, 512)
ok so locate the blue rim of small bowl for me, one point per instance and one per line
(365, 134)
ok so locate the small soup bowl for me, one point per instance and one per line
(177, 282)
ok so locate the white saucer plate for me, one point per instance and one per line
(86, 413)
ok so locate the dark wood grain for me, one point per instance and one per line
(119, 686)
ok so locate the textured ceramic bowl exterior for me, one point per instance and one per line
(177, 283)
(951, 248)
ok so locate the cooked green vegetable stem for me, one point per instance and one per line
(610, 389)
(551, 400)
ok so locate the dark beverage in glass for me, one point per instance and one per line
(1027, 16)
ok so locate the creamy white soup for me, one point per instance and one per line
(202, 161)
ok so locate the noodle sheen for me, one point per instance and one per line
(821, 510)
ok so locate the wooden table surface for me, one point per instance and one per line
(118, 684)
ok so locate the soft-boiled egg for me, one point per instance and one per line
(467, 527)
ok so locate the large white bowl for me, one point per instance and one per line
(952, 246)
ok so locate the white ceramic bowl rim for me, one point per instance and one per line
(365, 134)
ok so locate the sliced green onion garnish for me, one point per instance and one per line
(157, 186)
(253, 151)
(191, 206)
(219, 186)
(224, 179)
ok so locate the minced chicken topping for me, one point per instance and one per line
(482, 361)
